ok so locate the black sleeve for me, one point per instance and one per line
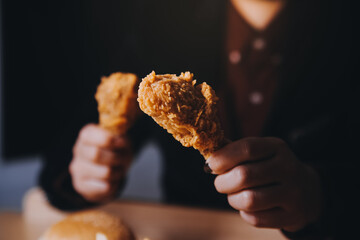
(55, 178)
(87, 48)
(332, 150)
(337, 162)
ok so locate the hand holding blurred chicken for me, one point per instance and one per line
(102, 153)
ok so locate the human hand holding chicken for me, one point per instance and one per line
(100, 161)
(102, 152)
(265, 181)
(261, 176)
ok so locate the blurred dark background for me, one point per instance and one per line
(53, 55)
(34, 63)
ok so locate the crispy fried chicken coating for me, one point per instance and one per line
(185, 110)
(116, 96)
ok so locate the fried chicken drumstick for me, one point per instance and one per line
(116, 96)
(185, 110)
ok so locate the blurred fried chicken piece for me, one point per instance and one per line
(116, 96)
(185, 110)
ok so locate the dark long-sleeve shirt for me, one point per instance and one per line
(309, 104)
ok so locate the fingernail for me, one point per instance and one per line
(207, 168)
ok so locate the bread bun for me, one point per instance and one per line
(89, 225)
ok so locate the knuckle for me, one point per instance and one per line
(90, 126)
(103, 191)
(232, 201)
(73, 167)
(111, 156)
(77, 186)
(252, 219)
(96, 154)
(248, 199)
(218, 183)
(108, 140)
(107, 173)
(84, 132)
(77, 183)
(107, 188)
(216, 166)
(246, 148)
(241, 174)
(257, 221)
(75, 148)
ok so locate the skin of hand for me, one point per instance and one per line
(100, 161)
(268, 185)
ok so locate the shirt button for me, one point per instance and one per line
(259, 44)
(234, 57)
(256, 98)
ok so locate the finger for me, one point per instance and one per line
(95, 135)
(102, 156)
(248, 176)
(95, 190)
(257, 199)
(242, 151)
(88, 170)
(271, 218)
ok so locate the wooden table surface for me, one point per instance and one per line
(147, 220)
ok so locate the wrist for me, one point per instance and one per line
(314, 227)
(314, 196)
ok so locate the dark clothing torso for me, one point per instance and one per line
(309, 108)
